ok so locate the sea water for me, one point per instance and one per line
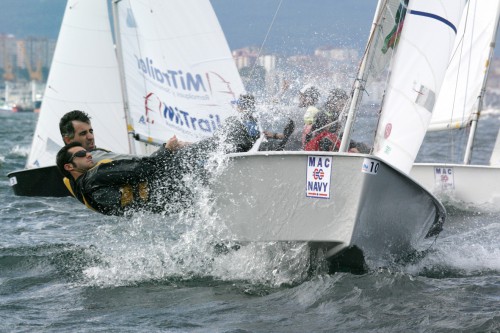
(64, 268)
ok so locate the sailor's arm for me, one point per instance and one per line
(102, 154)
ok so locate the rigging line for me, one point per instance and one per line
(459, 53)
(265, 39)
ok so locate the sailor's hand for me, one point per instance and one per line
(173, 144)
(271, 135)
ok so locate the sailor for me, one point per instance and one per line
(75, 126)
(325, 134)
(246, 107)
(152, 183)
(308, 98)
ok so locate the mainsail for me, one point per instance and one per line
(467, 73)
(412, 90)
(83, 76)
(178, 70)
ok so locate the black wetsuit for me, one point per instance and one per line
(155, 183)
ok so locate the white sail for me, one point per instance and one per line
(459, 104)
(83, 76)
(412, 90)
(468, 67)
(179, 74)
(387, 22)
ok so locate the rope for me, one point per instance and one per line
(265, 38)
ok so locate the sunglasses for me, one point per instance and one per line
(80, 153)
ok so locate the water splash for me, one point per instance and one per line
(192, 244)
(468, 246)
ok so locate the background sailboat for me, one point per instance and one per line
(459, 106)
(84, 76)
(364, 201)
(171, 77)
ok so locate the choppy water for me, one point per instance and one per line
(64, 268)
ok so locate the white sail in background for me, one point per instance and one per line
(468, 68)
(179, 74)
(459, 105)
(412, 89)
(83, 76)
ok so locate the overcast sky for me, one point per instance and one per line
(300, 25)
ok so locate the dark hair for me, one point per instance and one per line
(335, 103)
(63, 157)
(66, 122)
(246, 102)
(311, 93)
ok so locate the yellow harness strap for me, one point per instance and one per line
(68, 186)
(127, 191)
(143, 190)
(127, 195)
(106, 160)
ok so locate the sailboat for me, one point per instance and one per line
(459, 106)
(163, 78)
(84, 76)
(348, 202)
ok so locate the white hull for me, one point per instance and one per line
(472, 185)
(262, 197)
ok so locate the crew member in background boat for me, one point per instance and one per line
(325, 131)
(152, 183)
(75, 126)
(246, 106)
(308, 98)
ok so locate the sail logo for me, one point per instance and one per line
(318, 176)
(392, 39)
(172, 78)
(444, 178)
(177, 117)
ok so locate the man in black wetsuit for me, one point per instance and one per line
(153, 183)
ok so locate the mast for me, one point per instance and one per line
(119, 56)
(359, 85)
(480, 98)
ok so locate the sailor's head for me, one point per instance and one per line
(308, 95)
(75, 126)
(335, 102)
(73, 159)
(246, 103)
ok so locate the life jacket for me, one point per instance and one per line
(323, 141)
(130, 194)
